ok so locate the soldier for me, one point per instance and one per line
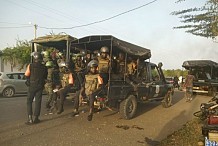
(46, 56)
(188, 85)
(87, 56)
(49, 83)
(121, 63)
(70, 84)
(131, 71)
(93, 85)
(36, 75)
(103, 64)
(56, 80)
(80, 68)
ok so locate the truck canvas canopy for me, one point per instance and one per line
(95, 42)
(206, 75)
(199, 64)
(56, 41)
(60, 42)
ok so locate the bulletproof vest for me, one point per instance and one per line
(65, 80)
(103, 65)
(130, 68)
(91, 83)
(38, 74)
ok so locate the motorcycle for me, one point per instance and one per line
(208, 113)
(208, 109)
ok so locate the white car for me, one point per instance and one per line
(12, 83)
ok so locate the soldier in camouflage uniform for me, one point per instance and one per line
(69, 84)
(93, 85)
(49, 83)
(103, 64)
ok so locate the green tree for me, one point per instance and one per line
(202, 21)
(23, 51)
(18, 56)
(173, 73)
(9, 56)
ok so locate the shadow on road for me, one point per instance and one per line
(145, 107)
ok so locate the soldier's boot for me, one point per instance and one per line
(54, 106)
(36, 120)
(89, 118)
(48, 106)
(60, 109)
(75, 113)
(30, 120)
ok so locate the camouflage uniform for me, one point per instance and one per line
(49, 84)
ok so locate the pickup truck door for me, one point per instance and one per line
(156, 82)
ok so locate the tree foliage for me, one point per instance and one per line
(201, 21)
(173, 73)
(18, 56)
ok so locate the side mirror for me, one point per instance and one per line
(160, 64)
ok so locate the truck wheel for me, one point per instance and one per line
(167, 101)
(212, 91)
(128, 107)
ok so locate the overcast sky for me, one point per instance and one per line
(150, 26)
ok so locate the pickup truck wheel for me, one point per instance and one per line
(128, 107)
(167, 101)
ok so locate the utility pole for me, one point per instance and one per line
(35, 45)
(35, 28)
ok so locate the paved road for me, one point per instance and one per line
(151, 124)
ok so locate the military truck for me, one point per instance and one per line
(148, 78)
(206, 75)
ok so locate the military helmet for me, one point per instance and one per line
(37, 56)
(59, 55)
(45, 54)
(104, 49)
(49, 64)
(93, 63)
(83, 52)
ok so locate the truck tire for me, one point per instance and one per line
(167, 101)
(212, 91)
(128, 107)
